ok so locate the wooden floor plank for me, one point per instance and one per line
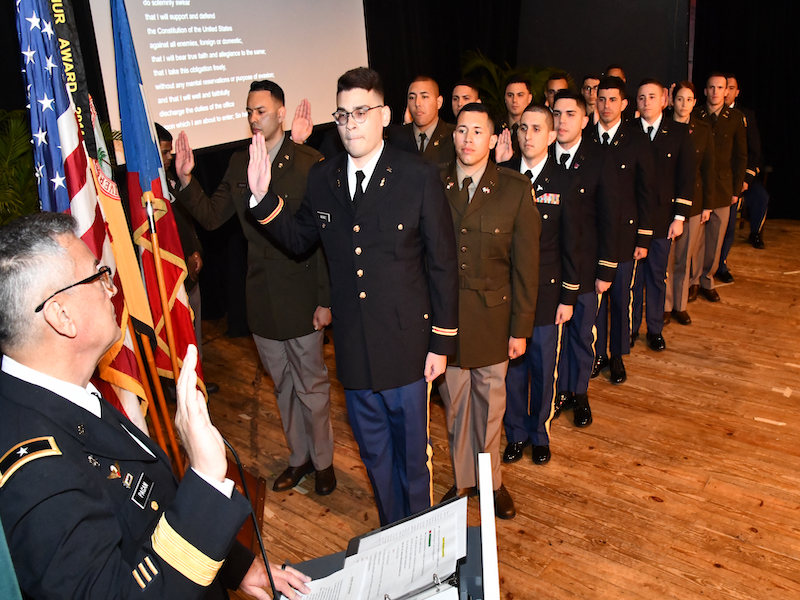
(686, 486)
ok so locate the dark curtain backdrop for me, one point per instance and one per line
(415, 37)
(757, 41)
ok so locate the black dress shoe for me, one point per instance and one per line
(514, 451)
(503, 504)
(667, 318)
(326, 481)
(212, 388)
(656, 341)
(682, 317)
(562, 402)
(460, 492)
(582, 413)
(634, 337)
(541, 455)
(600, 363)
(618, 374)
(693, 291)
(755, 239)
(710, 295)
(725, 277)
(292, 476)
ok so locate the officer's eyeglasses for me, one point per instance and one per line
(359, 114)
(103, 274)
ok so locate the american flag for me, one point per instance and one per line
(65, 181)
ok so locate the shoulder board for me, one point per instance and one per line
(25, 452)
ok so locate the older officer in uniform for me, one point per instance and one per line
(383, 220)
(288, 334)
(427, 135)
(528, 422)
(497, 235)
(89, 504)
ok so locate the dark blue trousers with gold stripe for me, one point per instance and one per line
(578, 340)
(650, 281)
(391, 429)
(529, 421)
(618, 301)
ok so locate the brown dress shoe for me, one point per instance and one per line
(693, 291)
(667, 318)
(503, 504)
(460, 492)
(710, 295)
(682, 317)
(292, 476)
(326, 481)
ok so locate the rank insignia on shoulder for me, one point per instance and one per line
(25, 452)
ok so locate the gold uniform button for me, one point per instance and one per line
(463, 266)
(505, 297)
(399, 227)
(463, 230)
(583, 190)
(154, 505)
(552, 281)
(622, 166)
(463, 248)
(496, 231)
(630, 222)
(362, 295)
(358, 250)
(425, 316)
(545, 216)
(356, 228)
(360, 272)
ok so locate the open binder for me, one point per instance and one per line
(429, 555)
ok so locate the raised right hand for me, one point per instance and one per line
(184, 159)
(259, 170)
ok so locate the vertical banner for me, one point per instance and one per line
(69, 45)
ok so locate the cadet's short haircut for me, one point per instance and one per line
(612, 83)
(534, 107)
(269, 86)
(570, 95)
(361, 79)
(518, 79)
(478, 108)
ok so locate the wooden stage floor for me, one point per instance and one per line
(687, 484)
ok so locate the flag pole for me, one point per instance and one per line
(147, 391)
(162, 404)
(147, 200)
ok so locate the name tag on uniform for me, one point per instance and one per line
(142, 491)
(324, 216)
(549, 198)
(242, 186)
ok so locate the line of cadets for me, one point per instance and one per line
(592, 204)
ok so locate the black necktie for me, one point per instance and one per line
(650, 133)
(359, 193)
(605, 139)
(564, 160)
(529, 174)
(422, 138)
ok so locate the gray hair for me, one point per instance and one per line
(31, 261)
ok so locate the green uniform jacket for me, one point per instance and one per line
(497, 248)
(283, 290)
